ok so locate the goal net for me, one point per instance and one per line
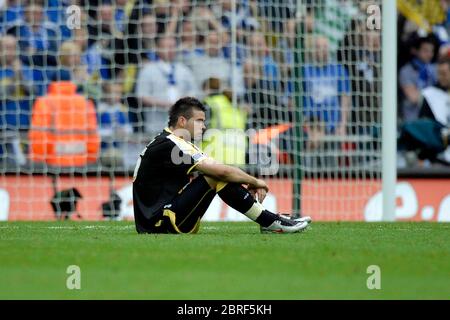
(293, 90)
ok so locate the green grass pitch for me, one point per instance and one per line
(224, 261)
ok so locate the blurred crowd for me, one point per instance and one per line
(423, 83)
(132, 59)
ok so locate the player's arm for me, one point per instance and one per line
(226, 173)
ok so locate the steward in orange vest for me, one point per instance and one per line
(64, 128)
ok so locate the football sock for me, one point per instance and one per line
(237, 197)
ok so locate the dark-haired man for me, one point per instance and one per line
(162, 82)
(165, 198)
(435, 102)
(37, 37)
(415, 76)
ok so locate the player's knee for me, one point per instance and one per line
(215, 184)
(211, 181)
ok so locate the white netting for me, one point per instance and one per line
(309, 70)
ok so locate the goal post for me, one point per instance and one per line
(298, 120)
(389, 111)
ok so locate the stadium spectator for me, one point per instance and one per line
(286, 53)
(90, 56)
(106, 39)
(212, 64)
(147, 32)
(275, 15)
(190, 42)
(38, 38)
(408, 34)
(435, 102)
(141, 40)
(10, 12)
(416, 75)
(170, 14)
(109, 16)
(162, 82)
(260, 53)
(139, 47)
(360, 52)
(113, 124)
(56, 11)
(227, 143)
(71, 68)
(265, 107)
(16, 86)
(58, 139)
(332, 19)
(103, 24)
(139, 9)
(425, 18)
(205, 21)
(442, 30)
(120, 14)
(16, 95)
(246, 17)
(425, 138)
(326, 88)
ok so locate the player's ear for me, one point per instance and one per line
(181, 121)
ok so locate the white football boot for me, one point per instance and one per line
(301, 219)
(285, 225)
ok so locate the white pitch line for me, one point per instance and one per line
(70, 227)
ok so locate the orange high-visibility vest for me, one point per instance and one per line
(266, 135)
(64, 128)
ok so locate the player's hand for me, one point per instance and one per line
(259, 190)
(260, 184)
(259, 194)
(252, 192)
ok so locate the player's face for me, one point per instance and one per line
(196, 124)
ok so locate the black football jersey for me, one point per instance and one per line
(164, 167)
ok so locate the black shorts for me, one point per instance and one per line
(183, 213)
